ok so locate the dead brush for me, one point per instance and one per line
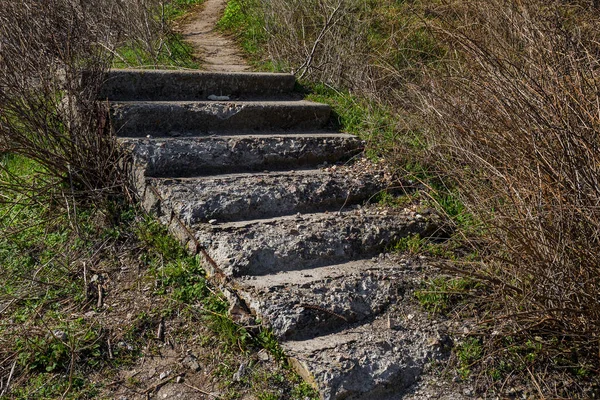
(53, 56)
(517, 126)
(48, 112)
(327, 41)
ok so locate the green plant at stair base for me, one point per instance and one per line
(439, 294)
(268, 341)
(389, 199)
(468, 352)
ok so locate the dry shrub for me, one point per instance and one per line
(516, 122)
(323, 40)
(53, 56)
(352, 44)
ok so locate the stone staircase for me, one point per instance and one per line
(242, 169)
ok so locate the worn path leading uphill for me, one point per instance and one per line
(217, 52)
(280, 206)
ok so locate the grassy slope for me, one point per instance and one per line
(167, 51)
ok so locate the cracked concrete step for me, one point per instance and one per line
(382, 359)
(303, 304)
(267, 246)
(201, 156)
(155, 85)
(247, 196)
(159, 119)
(353, 330)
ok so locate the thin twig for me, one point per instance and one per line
(200, 390)
(12, 370)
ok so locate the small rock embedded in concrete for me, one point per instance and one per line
(264, 355)
(218, 98)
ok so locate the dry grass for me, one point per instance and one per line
(519, 118)
(506, 97)
(516, 122)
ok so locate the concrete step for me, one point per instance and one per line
(353, 330)
(302, 304)
(381, 359)
(201, 156)
(156, 85)
(175, 119)
(247, 196)
(303, 241)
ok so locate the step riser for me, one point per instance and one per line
(305, 242)
(239, 198)
(128, 85)
(222, 155)
(207, 118)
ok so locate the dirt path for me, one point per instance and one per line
(217, 51)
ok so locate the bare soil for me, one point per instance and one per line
(216, 51)
(174, 354)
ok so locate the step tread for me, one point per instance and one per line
(318, 301)
(189, 118)
(262, 247)
(248, 103)
(135, 84)
(275, 134)
(380, 359)
(261, 195)
(192, 72)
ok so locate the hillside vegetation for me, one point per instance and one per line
(493, 106)
(96, 299)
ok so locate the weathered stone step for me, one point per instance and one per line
(381, 359)
(198, 156)
(303, 304)
(247, 196)
(267, 246)
(155, 85)
(160, 119)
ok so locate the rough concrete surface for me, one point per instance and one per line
(173, 85)
(294, 239)
(262, 247)
(159, 119)
(246, 196)
(201, 156)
